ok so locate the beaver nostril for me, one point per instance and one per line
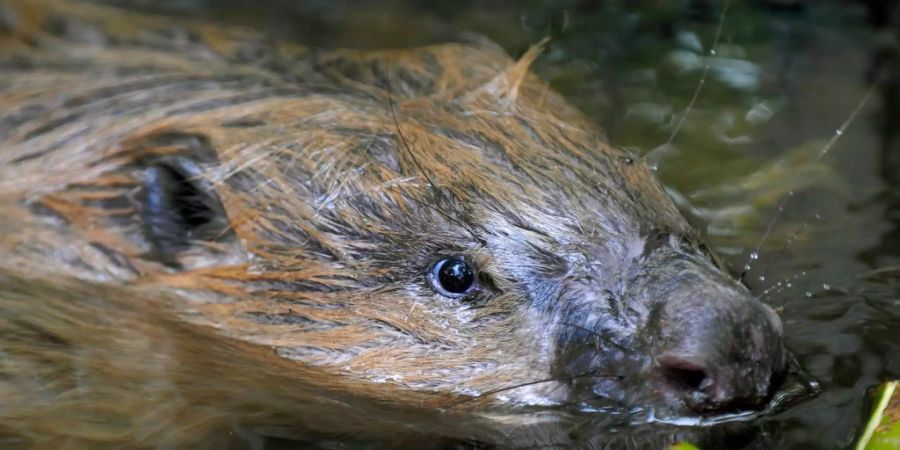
(683, 375)
(684, 379)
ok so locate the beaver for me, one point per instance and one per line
(207, 232)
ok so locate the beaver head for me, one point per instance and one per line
(432, 226)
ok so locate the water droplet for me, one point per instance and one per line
(838, 132)
(762, 278)
(788, 285)
(712, 52)
(746, 267)
(754, 256)
(826, 286)
(808, 294)
(818, 216)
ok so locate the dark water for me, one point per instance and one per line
(782, 79)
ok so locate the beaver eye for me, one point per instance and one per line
(453, 277)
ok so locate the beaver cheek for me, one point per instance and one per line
(597, 381)
(594, 362)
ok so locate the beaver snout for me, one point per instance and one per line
(687, 341)
(726, 354)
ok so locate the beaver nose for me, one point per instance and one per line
(704, 387)
(726, 359)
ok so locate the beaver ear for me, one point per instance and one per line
(182, 216)
(179, 209)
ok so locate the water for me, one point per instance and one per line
(781, 83)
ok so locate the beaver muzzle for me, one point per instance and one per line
(681, 338)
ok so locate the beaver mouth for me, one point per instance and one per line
(794, 389)
(789, 387)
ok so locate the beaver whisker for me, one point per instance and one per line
(703, 76)
(780, 286)
(569, 405)
(833, 285)
(415, 161)
(596, 334)
(562, 380)
(402, 137)
(573, 404)
(450, 218)
(870, 92)
(576, 401)
(781, 252)
(595, 396)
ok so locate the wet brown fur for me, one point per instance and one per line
(297, 318)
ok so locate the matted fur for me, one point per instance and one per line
(343, 175)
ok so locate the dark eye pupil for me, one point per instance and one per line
(455, 276)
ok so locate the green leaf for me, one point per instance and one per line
(882, 431)
(684, 446)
